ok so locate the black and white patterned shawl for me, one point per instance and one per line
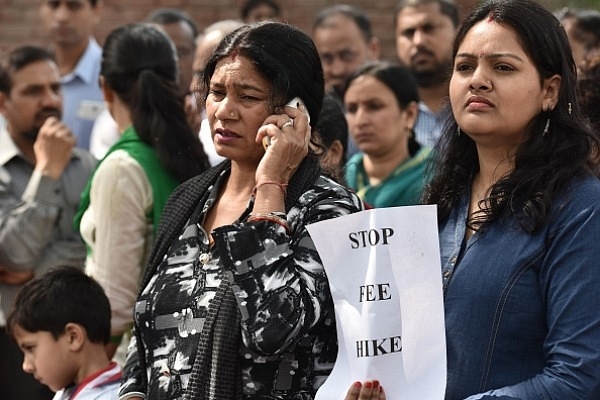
(215, 374)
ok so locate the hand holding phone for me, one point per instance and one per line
(296, 102)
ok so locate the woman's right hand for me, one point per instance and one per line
(289, 137)
(369, 390)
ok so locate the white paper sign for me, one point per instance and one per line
(384, 271)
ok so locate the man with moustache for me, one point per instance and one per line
(344, 39)
(425, 31)
(41, 178)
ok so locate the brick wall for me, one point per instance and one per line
(19, 20)
(19, 23)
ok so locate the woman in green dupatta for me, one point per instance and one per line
(121, 206)
(381, 102)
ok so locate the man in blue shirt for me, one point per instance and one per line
(425, 31)
(69, 26)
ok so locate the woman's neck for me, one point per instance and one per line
(493, 166)
(241, 181)
(379, 167)
(233, 199)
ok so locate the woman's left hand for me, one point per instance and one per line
(288, 140)
(369, 390)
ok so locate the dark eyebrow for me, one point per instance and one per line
(491, 56)
(241, 86)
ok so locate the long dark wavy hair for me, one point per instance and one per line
(543, 164)
(140, 64)
(283, 55)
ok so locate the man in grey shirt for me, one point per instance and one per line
(41, 178)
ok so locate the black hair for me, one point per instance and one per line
(60, 296)
(332, 123)
(543, 164)
(333, 126)
(250, 5)
(166, 16)
(360, 18)
(19, 58)
(399, 80)
(447, 8)
(586, 27)
(139, 64)
(588, 90)
(283, 55)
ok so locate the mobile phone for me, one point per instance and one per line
(296, 102)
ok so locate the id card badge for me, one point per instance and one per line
(90, 109)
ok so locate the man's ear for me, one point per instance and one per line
(75, 335)
(374, 48)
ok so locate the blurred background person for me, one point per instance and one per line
(333, 135)
(182, 31)
(381, 102)
(41, 177)
(588, 90)
(345, 41)
(122, 204)
(260, 10)
(583, 30)
(425, 30)
(69, 26)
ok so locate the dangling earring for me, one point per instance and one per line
(458, 131)
(570, 109)
(545, 131)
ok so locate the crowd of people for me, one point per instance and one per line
(155, 192)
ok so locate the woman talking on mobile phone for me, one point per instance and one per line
(235, 303)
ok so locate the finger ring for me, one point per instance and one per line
(290, 122)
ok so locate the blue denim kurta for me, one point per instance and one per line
(523, 311)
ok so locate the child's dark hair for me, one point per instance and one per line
(62, 295)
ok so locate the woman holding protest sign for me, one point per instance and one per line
(517, 191)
